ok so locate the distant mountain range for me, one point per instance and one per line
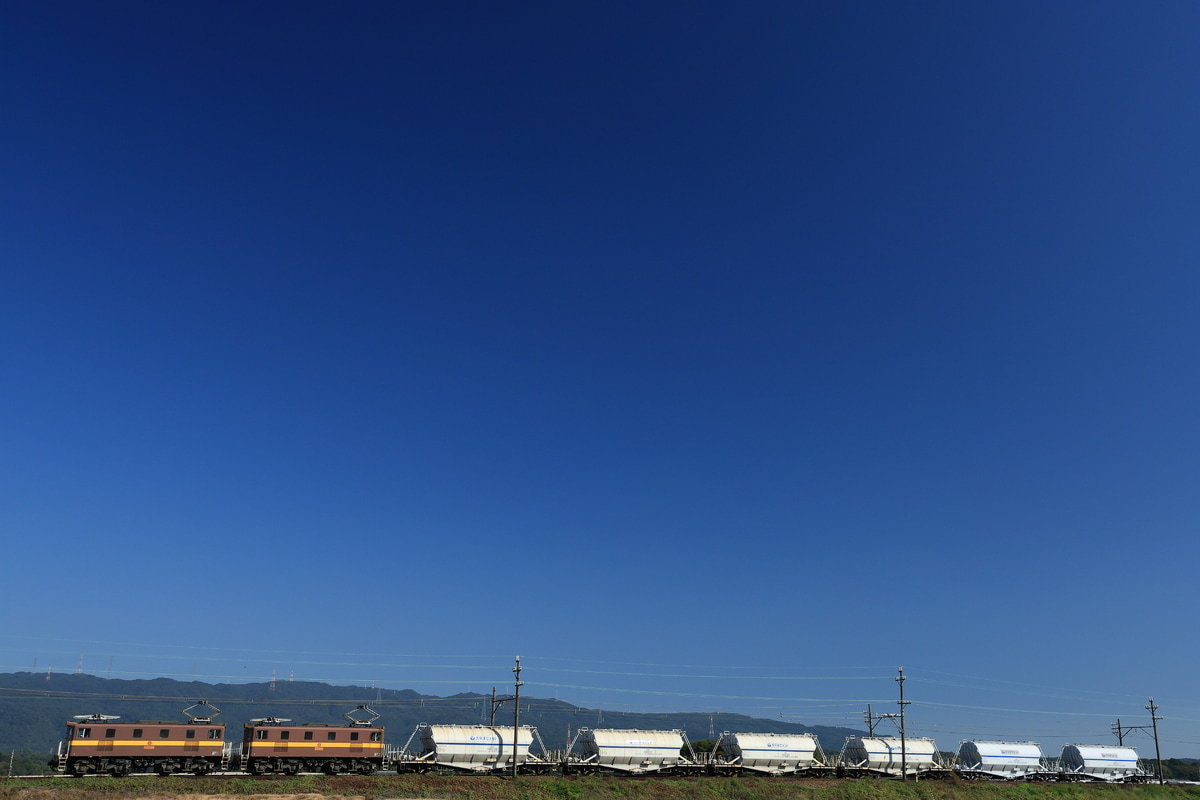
(33, 709)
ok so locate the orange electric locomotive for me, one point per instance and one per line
(271, 745)
(99, 745)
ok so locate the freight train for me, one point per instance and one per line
(99, 745)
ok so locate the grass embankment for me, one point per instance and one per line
(383, 787)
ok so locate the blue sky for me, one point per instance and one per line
(779, 343)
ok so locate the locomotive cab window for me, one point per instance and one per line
(137, 733)
(260, 734)
(376, 737)
(307, 735)
(83, 733)
(214, 733)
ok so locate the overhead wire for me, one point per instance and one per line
(415, 664)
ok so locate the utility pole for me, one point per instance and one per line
(1120, 730)
(903, 740)
(516, 712)
(496, 703)
(1154, 724)
(874, 719)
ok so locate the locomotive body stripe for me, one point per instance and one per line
(263, 744)
(144, 743)
(181, 744)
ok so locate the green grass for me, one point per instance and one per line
(385, 787)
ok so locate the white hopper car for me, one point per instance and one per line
(1002, 760)
(469, 748)
(887, 755)
(1085, 762)
(768, 753)
(633, 752)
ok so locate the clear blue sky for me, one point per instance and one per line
(760, 341)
